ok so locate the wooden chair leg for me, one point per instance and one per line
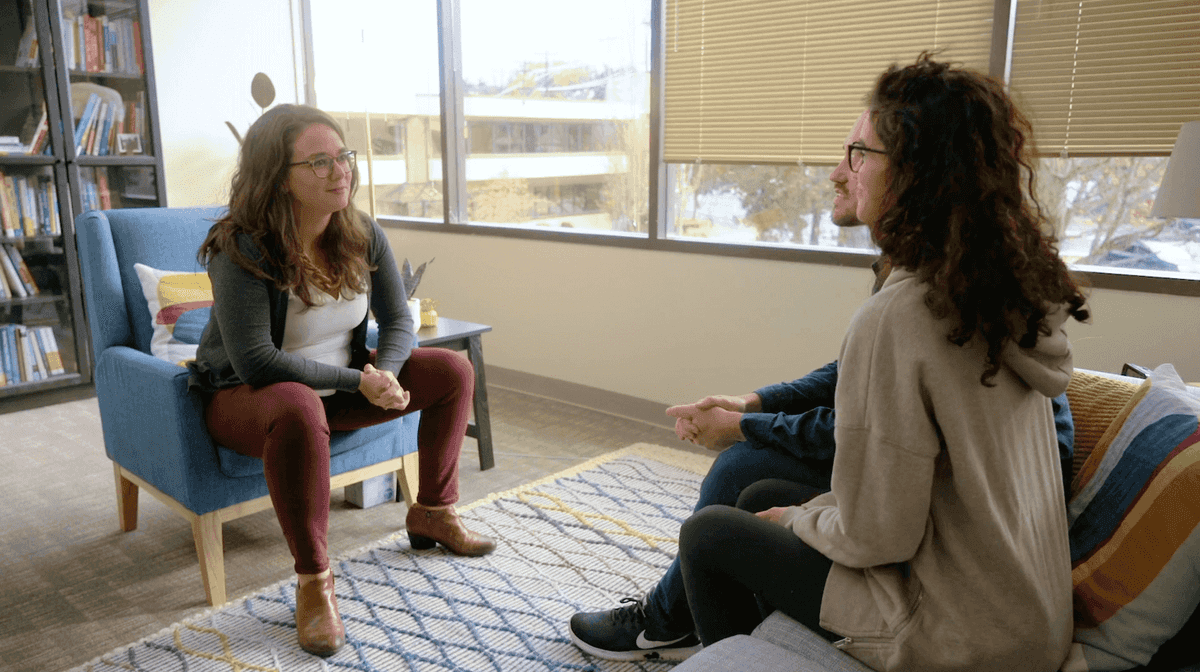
(206, 530)
(407, 478)
(127, 500)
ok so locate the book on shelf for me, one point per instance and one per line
(41, 134)
(103, 44)
(106, 125)
(80, 43)
(54, 361)
(85, 120)
(87, 190)
(139, 57)
(52, 224)
(10, 218)
(31, 367)
(37, 358)
(12, 369)
(12, 276)
(93, 130)
(27, 49)
(6, 292)
(26, 201)
(25, 207)
(39, 353)
(11, 144)
(3, 360)
(23, 275)
(24, 365)
(68, 38)
(102, 191)
(106, 43)
(93, 41)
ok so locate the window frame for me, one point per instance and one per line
(656, 239)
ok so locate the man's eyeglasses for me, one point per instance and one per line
(322, 166)
(856, 153)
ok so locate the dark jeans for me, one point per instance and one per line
(287, 426)
(734, 470)
(737, 567)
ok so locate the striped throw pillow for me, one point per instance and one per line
(1135, 541)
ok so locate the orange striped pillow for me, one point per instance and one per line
(1135, 540)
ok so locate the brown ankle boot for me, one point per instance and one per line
(427, 526)
(318, 624)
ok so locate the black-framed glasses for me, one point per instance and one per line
(322, 166)
(856, 153)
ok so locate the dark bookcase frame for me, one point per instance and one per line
(67, 169)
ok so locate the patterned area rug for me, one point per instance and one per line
(580, 539)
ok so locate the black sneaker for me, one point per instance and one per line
(622, 634)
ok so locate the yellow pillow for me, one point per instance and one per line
(1096, 401)
(180, 304)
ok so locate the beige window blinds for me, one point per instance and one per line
(782, 81)
(1107, 77)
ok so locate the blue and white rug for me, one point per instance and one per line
(578, 540)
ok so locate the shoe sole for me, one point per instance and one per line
(676, 654)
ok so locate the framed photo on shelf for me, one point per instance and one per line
(129, 143)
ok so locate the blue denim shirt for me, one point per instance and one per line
(797, 418)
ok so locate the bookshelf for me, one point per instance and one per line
(57, 59)
(109, 95)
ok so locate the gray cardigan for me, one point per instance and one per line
(243, 339)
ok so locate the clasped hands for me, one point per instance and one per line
(713, 422)
(382, 389)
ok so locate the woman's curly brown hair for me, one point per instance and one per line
(966, 219)
(260, 208)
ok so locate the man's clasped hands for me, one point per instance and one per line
(715, 422)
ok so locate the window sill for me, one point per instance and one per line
(1096, 277)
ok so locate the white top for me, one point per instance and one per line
(322, 333)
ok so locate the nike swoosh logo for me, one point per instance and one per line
(643, 643)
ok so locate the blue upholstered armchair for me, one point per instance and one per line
(153, 427)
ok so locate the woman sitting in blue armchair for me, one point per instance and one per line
(283, 360)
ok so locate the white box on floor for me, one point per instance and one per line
(373, 491)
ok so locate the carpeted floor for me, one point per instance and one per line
(579, 539)
(72, 586)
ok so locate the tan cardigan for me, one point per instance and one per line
(945, 522)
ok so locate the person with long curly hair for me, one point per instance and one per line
(942, 543)
(283, 360)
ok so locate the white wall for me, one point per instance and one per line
(205, 54)
(671, 327)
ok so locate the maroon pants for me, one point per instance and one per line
(287, 426)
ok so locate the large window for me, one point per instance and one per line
(376, 71)
(682, 122)
(556, 104)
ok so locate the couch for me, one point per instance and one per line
(1135, 542)
(136, 263)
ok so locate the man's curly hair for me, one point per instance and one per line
(965, 217)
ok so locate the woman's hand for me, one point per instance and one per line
(382, 389)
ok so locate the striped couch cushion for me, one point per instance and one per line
(1135, 546)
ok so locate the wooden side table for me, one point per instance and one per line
(459, 335)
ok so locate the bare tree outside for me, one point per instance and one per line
(1099, 207)
(782, 204)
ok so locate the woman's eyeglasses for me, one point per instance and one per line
(856, 153)
(322, 166)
